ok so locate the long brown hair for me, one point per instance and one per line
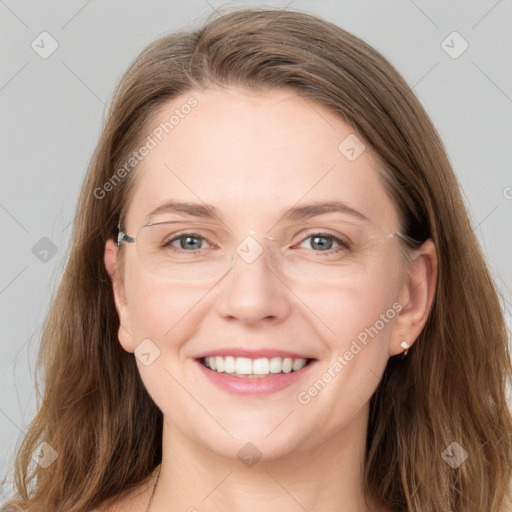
(94, 410)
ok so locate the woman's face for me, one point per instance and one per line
(265, 282)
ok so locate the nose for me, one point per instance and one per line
(253, 291)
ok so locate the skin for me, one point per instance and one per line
(253, 156)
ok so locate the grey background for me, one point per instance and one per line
(52, 110)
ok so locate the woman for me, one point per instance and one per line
(274, 298)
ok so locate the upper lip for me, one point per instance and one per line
(252, 353)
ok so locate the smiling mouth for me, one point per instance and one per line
(258, 368)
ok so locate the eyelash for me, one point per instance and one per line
(343, 244)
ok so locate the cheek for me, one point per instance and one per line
(167, 315)
(359, 312)
(362, 299)
(160, 310)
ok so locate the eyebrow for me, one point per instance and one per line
(192, 209)
(306, 211)
(320, 208)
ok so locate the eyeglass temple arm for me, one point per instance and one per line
(123, 237)
(404, 237)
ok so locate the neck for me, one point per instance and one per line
(195, 479)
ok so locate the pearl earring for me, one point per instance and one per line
(405, 346)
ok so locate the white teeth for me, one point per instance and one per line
(275, 365)
(244, 366)
(229, 364)
(261, 366)
(287, 365)
(219, 363)
(297, 364)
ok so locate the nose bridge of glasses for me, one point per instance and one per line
(249, 249)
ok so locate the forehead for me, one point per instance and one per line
(253, 155)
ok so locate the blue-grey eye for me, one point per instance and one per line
(320, 242)
(188, 242)
(323, 243)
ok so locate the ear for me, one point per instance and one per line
(415, 297)
(111, 264)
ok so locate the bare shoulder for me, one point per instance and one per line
(117, 505)
(134, 500)
(124, 504)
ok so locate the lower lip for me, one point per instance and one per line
(254, 386)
